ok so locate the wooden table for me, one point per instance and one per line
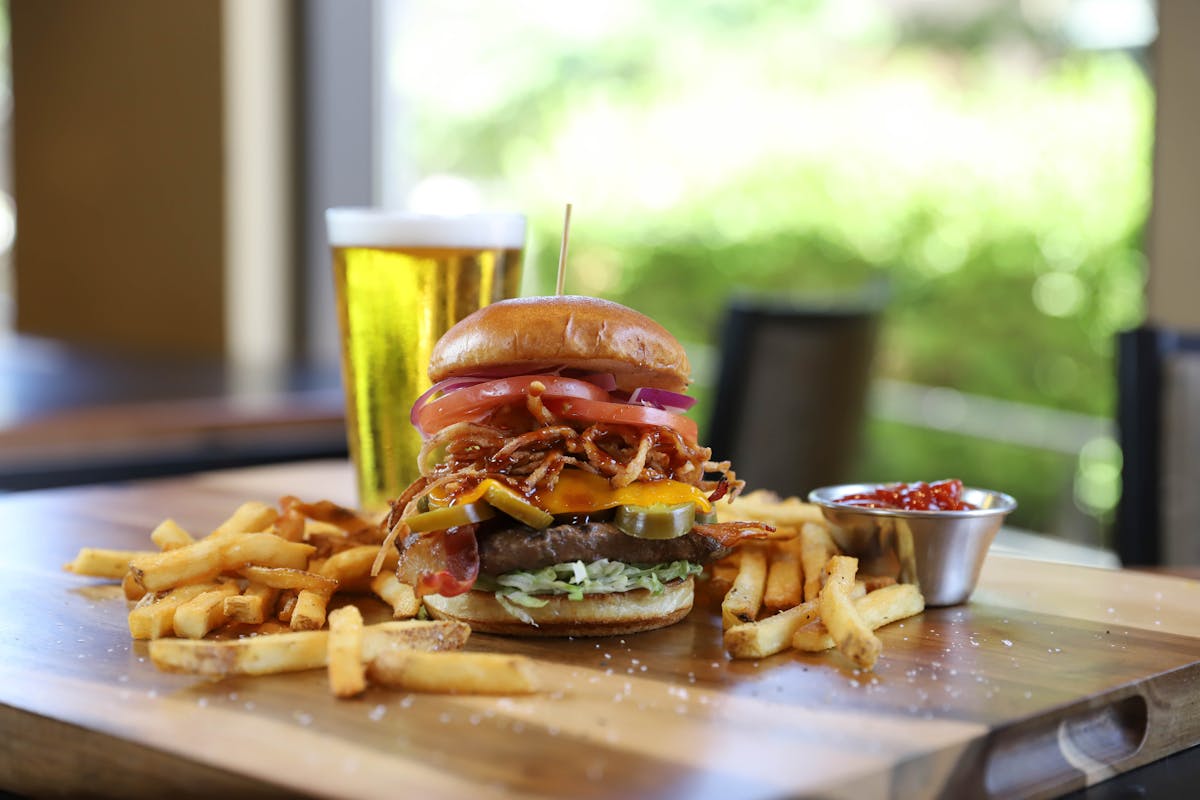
(1052, 678)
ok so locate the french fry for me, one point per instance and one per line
(453, 673)
(169, 536)
(97, 562)
(874, 582)
(722, 575)
(327, 511)
(154, 615)
(289, 578)
(250, 517)
(194, 562)
(347, 673)
(309, 612)
(400, 596)
(816, 548)
(291, 524)
(413, 634)
(784, 587)
(206, 558)
(854, 639)
(285, 604)
(318, 528)
(264, 550)
(880, 607)
(293, 651)
(744, 598)
(196, 617)
(351, 568)
(131, 588)
(253, 605)
(771, 635)
(765, 506)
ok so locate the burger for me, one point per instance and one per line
(562, 492)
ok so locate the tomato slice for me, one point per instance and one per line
(622, 414)
(472, 402)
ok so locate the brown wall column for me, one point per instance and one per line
(1173, 236)
(118, 172)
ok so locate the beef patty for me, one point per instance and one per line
(521, 547)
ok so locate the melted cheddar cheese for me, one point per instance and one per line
(579, 492)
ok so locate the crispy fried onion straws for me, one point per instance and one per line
(535, 447)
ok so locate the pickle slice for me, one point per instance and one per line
(659, 521)
(706, 517)
(441, 519)
(506, 500)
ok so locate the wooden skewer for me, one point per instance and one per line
(562, 252)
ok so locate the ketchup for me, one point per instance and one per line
(920, 496)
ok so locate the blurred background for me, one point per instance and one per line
(973, 179)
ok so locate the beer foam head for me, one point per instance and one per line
(373, 227)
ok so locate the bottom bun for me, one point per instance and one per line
(594, 615)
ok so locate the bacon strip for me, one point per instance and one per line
(730, 534)
(445, 562)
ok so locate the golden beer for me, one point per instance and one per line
(395, 301)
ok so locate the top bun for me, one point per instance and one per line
(584, 333)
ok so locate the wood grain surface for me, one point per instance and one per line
(1052, 678)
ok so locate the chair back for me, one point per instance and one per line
(791, 392)
(1158, 425)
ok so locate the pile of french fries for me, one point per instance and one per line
(267, 578)
(271, 590)
(797, 590)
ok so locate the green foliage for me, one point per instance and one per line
(999, 191)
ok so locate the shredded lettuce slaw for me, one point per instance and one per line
(520, 589)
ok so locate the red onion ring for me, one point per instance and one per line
(661, 398)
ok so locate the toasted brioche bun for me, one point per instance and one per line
(594, 615)
(585, 333)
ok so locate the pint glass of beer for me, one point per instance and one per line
(402, 280)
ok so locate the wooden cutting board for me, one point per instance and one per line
(1052, 678)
